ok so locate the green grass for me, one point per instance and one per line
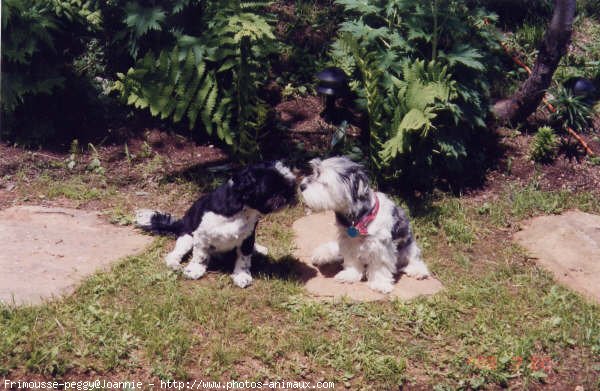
(78, 187)
(499, 313)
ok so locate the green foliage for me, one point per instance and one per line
(305, 28)
(424, 91)
(589, 7)
(422, 71)
(40, 40)
(544, 145)
(514, 13)
(527, 39)
(175, 86)
(211, 78)
(27, 31)
(571, 110)
(131, 28)
(584, 59)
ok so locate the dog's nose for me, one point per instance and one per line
(302, 186)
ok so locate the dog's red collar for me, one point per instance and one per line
(361, 226)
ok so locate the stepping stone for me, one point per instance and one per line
(569, 246)
(318, 228)
(47, 252)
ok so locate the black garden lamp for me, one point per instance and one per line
(333, 83)
(583, 88)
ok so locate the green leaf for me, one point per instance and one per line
(361, 6)
(465, 55)
(142, 19)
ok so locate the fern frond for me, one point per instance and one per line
(364, 7)
(143, 19)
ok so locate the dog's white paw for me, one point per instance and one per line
(417, 270)
(173, 262)
(326, 253)
(194, 271)
(384, 287)
(242, 279)
(261, 249)
(348, 275)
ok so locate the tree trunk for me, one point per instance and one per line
(553, 46)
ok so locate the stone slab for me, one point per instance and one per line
(46, 252)
(318, 228)
(569, 246)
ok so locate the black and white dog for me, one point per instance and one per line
(373, 233)
(225, 219)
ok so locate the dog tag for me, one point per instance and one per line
(352, 231)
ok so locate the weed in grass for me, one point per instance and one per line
(146, 150)
(128, 155)
(120, 216)
(95, 165)
(74, 188)
(463, 260)
(153, 166)
(456, 224)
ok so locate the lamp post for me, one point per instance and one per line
(333, 84)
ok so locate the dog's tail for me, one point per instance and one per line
(152, 220)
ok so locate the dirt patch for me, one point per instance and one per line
(302, 114)
(571, 171)
(569, 246)
(46, 252)
(316, 229)
(138, 171)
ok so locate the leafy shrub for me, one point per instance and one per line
(211, 74)
(132, 28)
(584, 59)
(424, 92)
(306, 34)
(40, 40)
(513, 13)
(571, 111)
(527, 38)
(589, 7)
(544, 145)
(421, 71)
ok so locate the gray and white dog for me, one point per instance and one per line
(374, 234)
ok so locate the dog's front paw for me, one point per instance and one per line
(242, 279)
(417, 270)
(384, 287)
(194, 271)
(173, 262)
(348, 275)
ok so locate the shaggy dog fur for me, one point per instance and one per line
(386, 249)
(225, 220)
